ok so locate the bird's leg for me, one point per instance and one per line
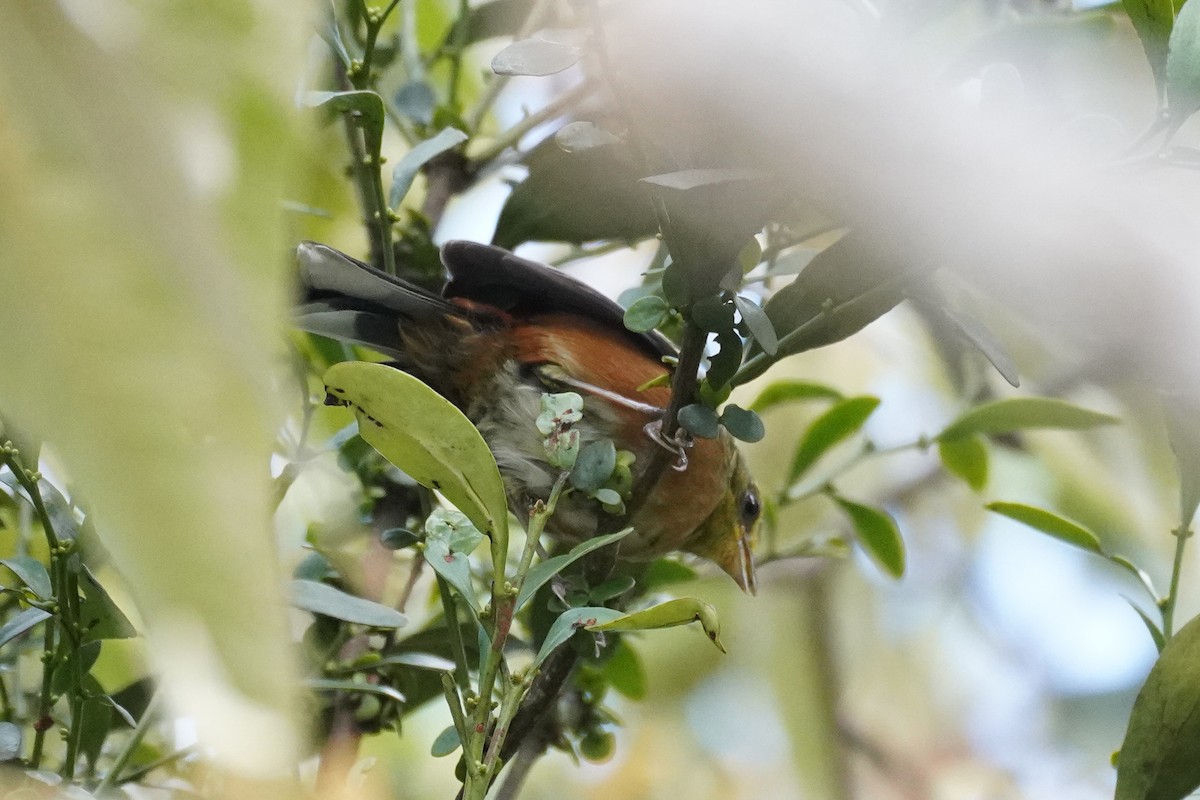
(677, 444)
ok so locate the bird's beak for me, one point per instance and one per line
(732, 554)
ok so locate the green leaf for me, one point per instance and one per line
(545, 570)
(1137, 572)
(759, 324)
(714, 314)
(625, 673)
(788, 391)
(446, 743)
(680, 611)
(1023, 413)
(577, 197)
(1050, 524)
(567, 623)
(666, 572)
(79, 661)
(488, 21)
(980, 336)
(751, 255)
(398, 538)
(576, 136)
(1151, 627)
(700, 420)
(1181, 415)
(1183, 64)
(878, 535)
(423, 434)
(594, 466)
(608, 497)
(1153, 20)
(742, 424)
(31, 573)
(688, 179)
(416, 101)
(646, 314)
(843, 289)
(423, 661)
(335, 685)
(966, 458)
(1158, 757)
(100, 617)
(321, 598)
(21, 622)
(365, 105)
(838, 423)
(453, 528)
(613, 587)
(536, 57)
(96, 718)
(455, 568)
(410, 164)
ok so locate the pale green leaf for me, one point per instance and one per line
(446, 743)
(21, 622)
(576, 136)
(1024, 413)
(321, 598)
(1153, 20)
(32, 573)
(1050, 524)
(535, 57)
(1183, 63)
(680, 611)
(420, 432)
(335, 685)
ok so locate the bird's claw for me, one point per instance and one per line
(677, 444)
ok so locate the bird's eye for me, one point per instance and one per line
(750, 507)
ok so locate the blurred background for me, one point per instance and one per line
(158, 164)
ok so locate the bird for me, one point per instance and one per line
(503, 331)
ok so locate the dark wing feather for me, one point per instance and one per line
(348, 300)
(491, 275)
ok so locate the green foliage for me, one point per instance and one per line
(680, 611)
(840, 422)
(446, 453)
(966, 457)
(1023, 413)
(730, 234)
(878, 535)
(320, 598)
(1158, 757)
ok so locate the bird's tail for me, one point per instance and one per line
(345, 299)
